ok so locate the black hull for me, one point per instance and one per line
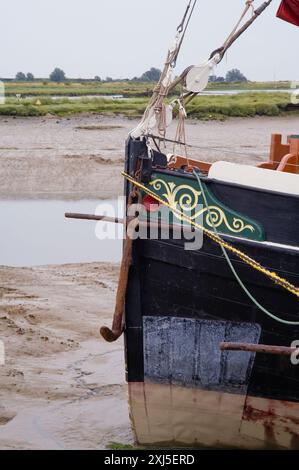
(168, 281)
(181, 304)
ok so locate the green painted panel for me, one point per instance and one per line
(185, 195)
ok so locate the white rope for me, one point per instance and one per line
(180, 136)
(156, 112)
(248, 6)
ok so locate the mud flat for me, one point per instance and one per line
(82, 157)
(62, 387)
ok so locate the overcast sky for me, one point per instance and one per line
(123, 38)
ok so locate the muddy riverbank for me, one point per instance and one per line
(82, 157)
(62, 387)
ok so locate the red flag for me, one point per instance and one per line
(289, 11)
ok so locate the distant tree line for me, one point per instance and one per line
(57, 75)
(232, 76)
(151, 75)
(22, 77)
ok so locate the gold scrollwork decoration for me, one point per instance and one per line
(186, 199)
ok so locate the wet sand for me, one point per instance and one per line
(62, 386)
(82, 157)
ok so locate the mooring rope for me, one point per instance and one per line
(217, 239)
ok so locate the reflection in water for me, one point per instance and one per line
(36, 233)
(169, 415)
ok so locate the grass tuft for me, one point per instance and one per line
(118, 446)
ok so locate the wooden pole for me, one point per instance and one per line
(258, 348)
(99, 218)
(141, 223)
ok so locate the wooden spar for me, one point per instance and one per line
(221, 50)
(116, 220)
(259, 348)
(180, 78)
(99, 218)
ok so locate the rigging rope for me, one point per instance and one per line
(181, 131)
(217, 239)
(215, 149)
(219, 53)
(249, 4)
(181, 26)
(201, 147)
(180, 143)
(239, 280)
(182, 29)
(156, 108)
(238, 32)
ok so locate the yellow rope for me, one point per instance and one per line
(247, 259)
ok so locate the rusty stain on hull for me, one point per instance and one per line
(276, 420)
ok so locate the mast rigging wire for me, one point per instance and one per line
(156, 104)
(201, 147)
(182, 28)
(215, 149)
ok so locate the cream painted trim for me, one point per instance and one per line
(254, 177)
(265, 243)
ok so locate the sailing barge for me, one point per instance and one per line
(209, 333)
(182, 305)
